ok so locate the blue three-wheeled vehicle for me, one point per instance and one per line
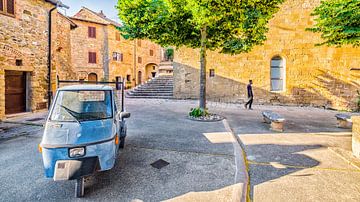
(84, 131)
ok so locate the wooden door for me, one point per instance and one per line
(92, 77)
(15, 92)
(139, 77)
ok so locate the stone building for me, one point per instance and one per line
(288, 69)
(61, 66)
(23, 55)
(99, 52)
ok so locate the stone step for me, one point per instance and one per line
(151, 97)
(151, 91)
(159, 87)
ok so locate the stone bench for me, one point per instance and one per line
(275, 120)
(343, 121)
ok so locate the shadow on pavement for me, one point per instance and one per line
(269, 161)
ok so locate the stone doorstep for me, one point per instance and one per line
(20, 118)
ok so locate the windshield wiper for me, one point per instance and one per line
(71, 112)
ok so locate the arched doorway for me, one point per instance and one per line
(139, 77)
(151, 70)
(92, 77)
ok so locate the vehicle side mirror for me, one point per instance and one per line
(124, 115)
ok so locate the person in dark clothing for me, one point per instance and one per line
(250, 95)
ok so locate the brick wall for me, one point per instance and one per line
(316, 76)
(24, 37)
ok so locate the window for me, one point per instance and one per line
(128, 77)
(212, 73)
(92, 57)
(19, 62)
(118, 56)
(7, 7)
(277, 74)
(139, 60)
(151, 52)
(139, 43)
(92, 32)
(117, 36)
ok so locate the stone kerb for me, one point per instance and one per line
(356, 136)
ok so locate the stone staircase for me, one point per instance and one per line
(160, 87)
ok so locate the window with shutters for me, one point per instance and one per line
(277, 74)
(118, 56)
(151, 52)
(117, 36)
(92, 57)
(7, 7)
(139, 60)
(92, 32)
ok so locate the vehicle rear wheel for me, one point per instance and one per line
(79, 187)
(122, 143)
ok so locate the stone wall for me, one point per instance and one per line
(81, 45)
(62, 66)
(106, 44)
(315, 76)
(147, 61)
(122, 46)
(24, 37)
(356, 136)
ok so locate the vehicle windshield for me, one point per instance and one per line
(84, 105)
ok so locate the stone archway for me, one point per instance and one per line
(92, 77)
(151, 70)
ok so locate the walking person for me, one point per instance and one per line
(250, 95)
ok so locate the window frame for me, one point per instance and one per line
(91, 57)
(91, 32)
(282, 75)
(117, 36)
(5, 12)
(119, 57)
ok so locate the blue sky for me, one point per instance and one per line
(96, 5)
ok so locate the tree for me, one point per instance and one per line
(229, 26)
(338, 21)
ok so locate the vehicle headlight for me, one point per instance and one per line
(77, 152)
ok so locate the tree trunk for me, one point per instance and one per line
(202, 101)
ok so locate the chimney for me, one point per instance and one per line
(101, 13)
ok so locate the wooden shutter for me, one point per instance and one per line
(1, 5)
(92, 57)
(10, 7)
(92, 32)
(117, 36)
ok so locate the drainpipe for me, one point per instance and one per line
(58, 4)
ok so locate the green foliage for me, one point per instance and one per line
(198, 112)
(170, 53)
(231, 26)
(338, 21)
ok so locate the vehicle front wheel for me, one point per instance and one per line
(79, 187)
(122, 143)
